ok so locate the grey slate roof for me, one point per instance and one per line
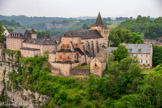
(134, 48)
(20, 31)
(110, 49)
(138, 48)
(65, 50)
(84, 34)
(40, 41)
(56, 38)
(31, 49)
(78, 50)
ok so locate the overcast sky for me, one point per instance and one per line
(77, 8)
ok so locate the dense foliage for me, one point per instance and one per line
(118, 36)
(157, 55)
(2, 36)
(10, 23)
(145, 26)
(120, 53)
(122, 86)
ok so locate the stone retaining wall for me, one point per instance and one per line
(80, 72)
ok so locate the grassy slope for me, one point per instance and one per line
(147, 71)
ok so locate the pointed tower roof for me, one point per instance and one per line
(33, 31)
(46, 35)
(99, 20)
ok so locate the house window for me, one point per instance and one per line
(132, 55)
(141, 61)
(130, 49)
(141, 55)
(146, 56)
(67, 46)
(146, 61)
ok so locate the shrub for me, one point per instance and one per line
(69, 99)
(60, 102)
(63, 95)
(87, 105)
(77, 99)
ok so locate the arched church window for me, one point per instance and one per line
(77, 56)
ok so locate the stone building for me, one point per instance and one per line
(143, 52)
(28, 43)
(98, 65)
(72, 49)
(79, 47)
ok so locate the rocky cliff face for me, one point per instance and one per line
(18, 97)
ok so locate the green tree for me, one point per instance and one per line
(153, 86)
(157, 55)
(122, 76)
(120, 53)
(136, 38)
(92, 87)
(77, 99)
(85, 26)
(118, 36)
(2, 36)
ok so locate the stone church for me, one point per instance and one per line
(79, 47)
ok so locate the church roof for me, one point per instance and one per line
(99, 21)
(84, 34)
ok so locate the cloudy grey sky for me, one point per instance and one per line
(77, 8)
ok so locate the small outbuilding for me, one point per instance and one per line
(97, 66)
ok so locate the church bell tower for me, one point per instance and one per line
(101, 28)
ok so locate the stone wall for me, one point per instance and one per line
(29, 53)
(62, 68)
(83, 72)
(14, 43)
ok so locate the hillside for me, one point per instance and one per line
(55, 25)
(147, 27)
